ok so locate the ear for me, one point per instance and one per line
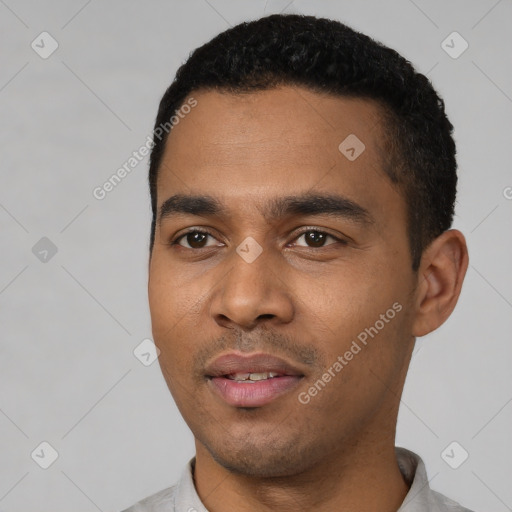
(440, 276)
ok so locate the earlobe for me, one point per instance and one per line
(440, 277)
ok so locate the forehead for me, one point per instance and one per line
(286, 119)
(287, 139)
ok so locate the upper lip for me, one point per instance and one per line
(233, 362)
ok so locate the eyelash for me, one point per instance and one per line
(176, 240)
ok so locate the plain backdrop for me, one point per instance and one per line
(73, 273)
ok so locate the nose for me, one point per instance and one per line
(252, 293)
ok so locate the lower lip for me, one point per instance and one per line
(253, 394)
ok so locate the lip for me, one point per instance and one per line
(255, 363)
(255, 393)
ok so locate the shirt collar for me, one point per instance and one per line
(420, 497)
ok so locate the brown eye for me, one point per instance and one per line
(195, 239)
(315, 239)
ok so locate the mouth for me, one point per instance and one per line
(251, 380)
(253, 376)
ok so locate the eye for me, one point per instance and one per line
(195, 239)
(315, 238)
(198, 239)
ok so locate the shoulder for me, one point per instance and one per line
(177, 497)
(421, 498)
(445, 504)
(158, 502)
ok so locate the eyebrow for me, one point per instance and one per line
(331, 205)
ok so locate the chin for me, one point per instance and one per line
(265, 459)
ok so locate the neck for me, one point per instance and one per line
(358, 478)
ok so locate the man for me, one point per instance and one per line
(302, 184)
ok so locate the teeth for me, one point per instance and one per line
(239, 376)
(252, 376)
(258, 376)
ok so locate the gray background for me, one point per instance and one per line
(69, 324)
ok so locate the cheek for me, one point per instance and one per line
(173, 309)
(362, 314)
(364, 362)
(172, 296)
(343, 301)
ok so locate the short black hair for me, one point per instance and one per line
(327, 56)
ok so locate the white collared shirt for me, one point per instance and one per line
(183, 497)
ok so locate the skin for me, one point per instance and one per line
(300, 300)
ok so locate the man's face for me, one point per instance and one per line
(299, 280)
